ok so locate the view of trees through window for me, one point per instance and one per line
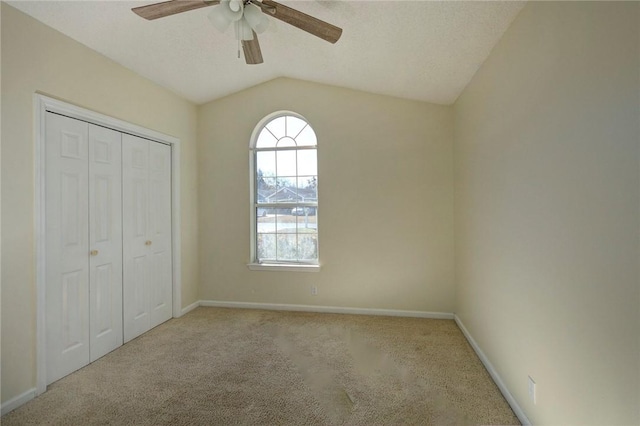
(286, 191)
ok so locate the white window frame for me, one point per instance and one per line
(292, 266)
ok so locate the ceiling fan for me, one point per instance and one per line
(247, 20)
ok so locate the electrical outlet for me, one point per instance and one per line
(314, 290)
(532, 390)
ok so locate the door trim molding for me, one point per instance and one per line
(42, 105)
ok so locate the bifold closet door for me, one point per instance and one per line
(83, 244)
(105, 240)
(147, 268)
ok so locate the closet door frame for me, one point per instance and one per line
(42, 105)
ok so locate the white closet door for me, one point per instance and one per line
(67, 245)
(135, 225)
(160, 232)
(146, 234)
(105, 240)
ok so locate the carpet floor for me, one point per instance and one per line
(219, 366)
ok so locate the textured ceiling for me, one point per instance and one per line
(423, 50)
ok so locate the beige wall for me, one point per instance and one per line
(36, 58)
(385, 194)
(547, 210)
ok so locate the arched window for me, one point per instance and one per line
(284, 193)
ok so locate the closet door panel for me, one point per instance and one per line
(135, 223)
(67, 246)
(105, 240)
(160, 232)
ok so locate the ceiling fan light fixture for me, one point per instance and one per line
(226, 10)
(235, 5)
(256, 19)
(218, 20)
(243, 30)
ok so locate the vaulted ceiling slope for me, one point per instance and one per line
(421, 50)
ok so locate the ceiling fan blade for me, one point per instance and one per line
(305, 22)
(172, 7)
(252, 52)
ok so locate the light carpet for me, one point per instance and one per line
(219, 366)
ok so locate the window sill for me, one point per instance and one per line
(283, 267)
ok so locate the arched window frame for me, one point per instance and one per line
(284, 265)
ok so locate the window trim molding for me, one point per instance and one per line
(253, 263)
(286, 267)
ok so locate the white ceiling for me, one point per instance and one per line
(423, 50)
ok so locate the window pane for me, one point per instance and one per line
(307, 162)
(266, 164)
(266, 188)
(266, 140)
(265, 220)
(277, 127)
(287, 247)
(286, 142)
(307, 137)
(266, 246)
(286, 163)
(308, 246)
(294, 126)
(308, 189)
(286, 193)
(286, 182)
(267, 183)
(285, 222)
(307, 220)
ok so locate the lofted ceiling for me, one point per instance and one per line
(422, 50)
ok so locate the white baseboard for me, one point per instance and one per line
(16, 402)
(494, 374)
(327, 309)
(189, 308)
